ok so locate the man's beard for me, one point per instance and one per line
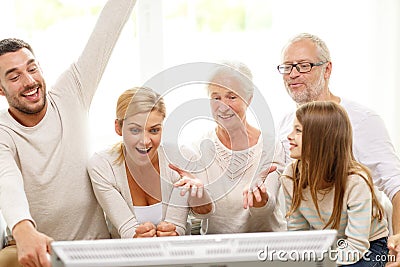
(23, 108)
(310, 93)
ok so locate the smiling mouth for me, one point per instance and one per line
(224, 117)
(143, 151)
(31, 92)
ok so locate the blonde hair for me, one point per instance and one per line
(134, 101)
(327, 158)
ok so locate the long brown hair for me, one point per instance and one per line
(327, 158)
(134, 101)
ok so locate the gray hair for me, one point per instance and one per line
(235, 70)
(323, 51)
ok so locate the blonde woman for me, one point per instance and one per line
(132, 181)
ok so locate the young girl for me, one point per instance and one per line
(325, 188)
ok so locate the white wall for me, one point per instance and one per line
(363, 36)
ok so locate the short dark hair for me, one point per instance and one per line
(12, 45)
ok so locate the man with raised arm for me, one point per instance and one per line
(45, 191)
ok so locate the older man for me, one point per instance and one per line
(306, 68)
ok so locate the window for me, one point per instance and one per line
(164, 34)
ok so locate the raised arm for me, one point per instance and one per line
(89, 68)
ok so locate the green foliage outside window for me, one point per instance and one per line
(33, 15)
(209, 15)
(223, 15)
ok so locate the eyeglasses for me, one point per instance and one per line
(302, 67)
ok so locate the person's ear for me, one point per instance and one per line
(118, 126)
(328, 70)
(2, 89)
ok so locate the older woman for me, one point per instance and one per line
(236, 156)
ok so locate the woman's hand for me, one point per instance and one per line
(188, 183)
(146, 229)
(199, 200)
(166, 229)
(255, 194)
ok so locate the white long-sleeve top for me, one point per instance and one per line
(371, 145)
(110, 184)
(43, 176)
(225, 174)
